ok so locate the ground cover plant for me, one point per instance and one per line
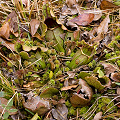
(60, 60)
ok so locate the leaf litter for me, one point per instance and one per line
(61, 58)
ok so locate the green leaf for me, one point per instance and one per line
(5, 115)
(101, 74)
(10, 103)
(49, 92)
(13, 110)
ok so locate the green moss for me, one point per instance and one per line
(68, 104)
(118, 62)
(72, 111)
(102, 104)
(83, 110)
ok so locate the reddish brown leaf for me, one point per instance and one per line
(34, 23)
(108, 5)
(83, 19)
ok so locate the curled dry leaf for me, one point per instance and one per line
(4, 102)
(103, 27)
(115, 76)
(98, 116)
(36, 104)
(60, 112)
(83, 94)
(100, 83)
(109, 68)
(34, 24)
(83, 19)
(68, 87)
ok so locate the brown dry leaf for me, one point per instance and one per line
(103, 27)
(60, 113)
(12, 20)
(109, 68)
(115, 76)
(108, 5)
(5, 102)
(5, 30)
(97, 13)
(68, 87)
(83, 94)
(118, 91)
(36, 104)
(7, 44)
(83, 19)
(98, 116)
(34, 24)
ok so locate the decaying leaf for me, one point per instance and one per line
(115, 76)
(83, 94)
(7, 44)
(103, 27)
(68, 87)
(34, 23)
(3, 103)
(83, 19)
(108, 5)
(36, 104)
(5, 30)
(60, 112)
(109, 68)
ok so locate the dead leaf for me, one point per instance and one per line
(83, 94)
(68, 87)
(60, 113)
(97, 13)
(7, 44)
(36, 104)
(118, 91)
(83, 19)
(115, 76)
(98, 116)
(12, 20)
(103, 27)
(108, 5)
(4, 102)
(5, 30)
(109, 68)
(34, 24)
